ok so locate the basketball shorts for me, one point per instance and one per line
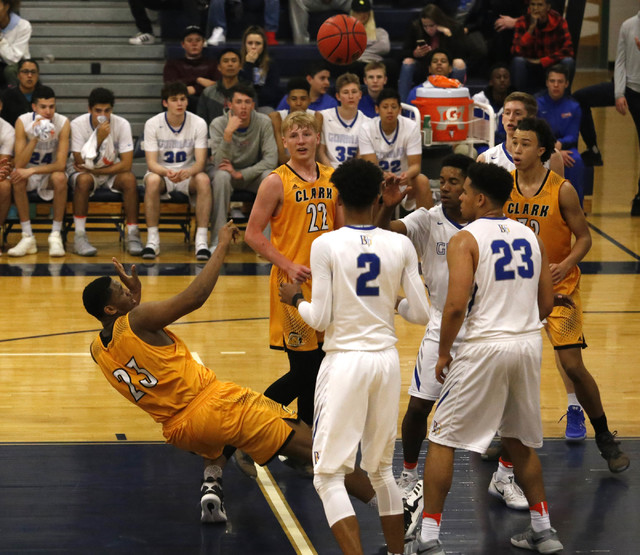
(423, 383)
(285, 323)
(564, 325)
(356, 403)
(181, 187)
(491, 387)
(107, 181)
(228, 414)
(40, 182)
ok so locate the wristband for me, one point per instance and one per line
(297, 297)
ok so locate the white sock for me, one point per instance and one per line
(153, 236)
(26, 228)
(131, 228)
(540, 517)
(201, 236)
(79, 223)
(412, 471)
(56, 226)
(430, 527)
(504, 472)
(572, 400)
(212, 471)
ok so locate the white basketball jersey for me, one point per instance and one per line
(175, 147)
(499, 156)
(285, 113)
(391, 150)
(81, 130)
(341, 137)
(504, 300)
(363, 268)
(7, 138)
(430, 231)
(45, 151)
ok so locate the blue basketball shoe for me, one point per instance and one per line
(575, 430)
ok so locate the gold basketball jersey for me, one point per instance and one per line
(541, 212)
(161, 380)
(308, 211)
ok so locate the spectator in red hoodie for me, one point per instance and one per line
(541, 39)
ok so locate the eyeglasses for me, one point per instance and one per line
(29, 71)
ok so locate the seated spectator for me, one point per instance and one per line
(143, 23)
(175, 146)
(298, 101)
(299, 15)
(378, 44)
(375, 78)
(341, 125)
(101, 156)
(259, 68)
(244, 152)
(195, 70)
(541, 39)
(562, 112)
(319, 79)
(394, 143)
(218, 20)
(439, 64)
(41, 149)
(7, 141)
(471, 15)
(494, 94)
(432, 30)
(17, 100)
(213, 98)
(15, 33)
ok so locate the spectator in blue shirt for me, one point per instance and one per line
(375, 78)
(319, 78)
(562, 112)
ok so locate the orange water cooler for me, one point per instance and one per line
(450, 111)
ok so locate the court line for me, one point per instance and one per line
(612, 240)
(287, 519)
(281, 509)
(222, 320)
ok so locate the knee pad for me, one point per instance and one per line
(334, 497)
(387, 491)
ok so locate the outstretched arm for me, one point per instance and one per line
(153, 316)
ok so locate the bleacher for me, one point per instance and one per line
(82, 44)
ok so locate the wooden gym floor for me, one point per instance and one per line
(84, 471)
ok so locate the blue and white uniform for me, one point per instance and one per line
(341, 137)
(493, 383)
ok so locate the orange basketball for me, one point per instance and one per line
(342, 39)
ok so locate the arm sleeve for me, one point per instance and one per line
(317, 313)
(219, 148)
(414, 307)
(381, 45)
(521, 38)
(564, 46)
(572, 130)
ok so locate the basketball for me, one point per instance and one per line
(341, 39)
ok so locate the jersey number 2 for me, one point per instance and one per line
(372, 263)
(520, 246)
(122, 375)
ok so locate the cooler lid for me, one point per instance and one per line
(436, 92)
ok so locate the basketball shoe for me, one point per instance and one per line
(575, 430)
(212, 501)
(509, 492)
(609, 450)
(412, 510)
(543, 542)
(431, 547)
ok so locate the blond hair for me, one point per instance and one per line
(299, 119)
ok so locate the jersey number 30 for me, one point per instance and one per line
(371, 262)
(520, 246)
